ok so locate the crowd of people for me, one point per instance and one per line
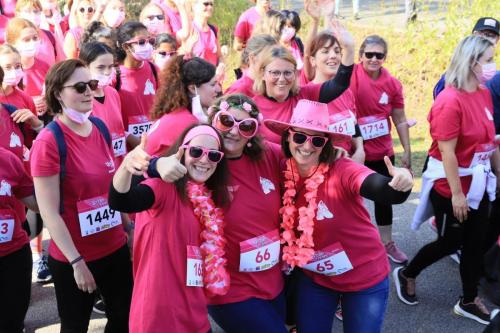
(171, 195)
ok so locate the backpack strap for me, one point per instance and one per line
(56, 130)
(300, 45)
(52, 39)
(11, 109)
(213, 28)
(155, 72)
(102, 128)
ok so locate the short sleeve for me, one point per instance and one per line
(44, 156)
(397, 100)
(24, 184)
(445, 110)
(310, 92)
(352, 174)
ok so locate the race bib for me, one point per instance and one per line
(6, 226)
(260, 253)
(194, 274)
(330, 261)
(119, 144)
(483, 154)
(138, 125)
(95, 215)
(373, 127)
(342, 123)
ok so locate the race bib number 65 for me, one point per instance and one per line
(331, 260)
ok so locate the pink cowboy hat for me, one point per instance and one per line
(308, 115)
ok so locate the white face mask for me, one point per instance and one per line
(142, 52)
(36, 19)
(77, 117)
(28, 49)
(287, 34)
(114, 17)
(197, 109)
(13, 76)
(155, 26)
(104, 80)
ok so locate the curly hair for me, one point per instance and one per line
(257, 146)
(179, 74)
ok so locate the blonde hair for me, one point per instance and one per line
(255, 45)
(8, 49)
(271, 24)
(28, 3)
(14, 28)
(269, 55)
(142, 16)
(466, 55)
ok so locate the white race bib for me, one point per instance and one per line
(6, 226)
(342, 123)
(119, 144)
(194, 272)
(260, 253)
(138, 125)
(483, 154)
(372, 127)
(95, 215)
(330, 261)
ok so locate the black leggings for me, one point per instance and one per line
(452, 235)
(15, 289)
(113, 276)
(383, 212)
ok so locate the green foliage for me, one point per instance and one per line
(226, 15)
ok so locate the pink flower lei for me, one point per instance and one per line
(215, 275)
(298, 251)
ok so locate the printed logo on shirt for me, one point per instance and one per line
(15, 141)
(110, 165)
(267, 185)
(323, 212)
(384, 99)
(488, 114)
(149, 88)
(5, 189)
(232, 190)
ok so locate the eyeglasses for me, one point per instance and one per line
(275, 75)
(165, 53)
(81, 87)
(142, 41)
(89, 9)
(197, 153)
(301, 138)
(378, 55)
(225, 122)
(159, 17)
(206, 4)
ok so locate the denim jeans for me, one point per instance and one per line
(363, 310)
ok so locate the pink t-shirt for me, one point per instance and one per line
(9, 8)
(11, 137)
(244, 85)
(246, 22)
(4, 20)
(110, 113)
(34, 77)
(15, 184)
(342, 112)
(46, 52)
(166, 130)
(172, 19)
(376, 98)
(271, 109)
(161, 297)
(206, 47)
(342, 218)
(89, 170)
(253, 212)
(137, 93)
(467, 117)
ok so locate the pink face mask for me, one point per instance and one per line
(77, 117)
(488, 71)
(113, 17)
(155, 26)
(287, 34)
(142, 52)
(13, 76)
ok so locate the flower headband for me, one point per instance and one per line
(225, 106)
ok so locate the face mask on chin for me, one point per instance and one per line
(77, 117)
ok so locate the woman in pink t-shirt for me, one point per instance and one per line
(16, 188)
(244, 27)
(153, 17)
(329, 240)
(191, 89)
(52, 20)
(114, 14)
(463, 134)
(81, 14)
(88, 248)
(179, 252)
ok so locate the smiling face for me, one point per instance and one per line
(70, 98)
(278, 80)
(234, 143)
(306, 155)
(200, 170)
(208, 92)
(327, 59)
(373, 65)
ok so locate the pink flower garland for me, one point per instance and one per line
(215, 275)
(298, 251)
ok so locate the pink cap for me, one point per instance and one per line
(200, 130)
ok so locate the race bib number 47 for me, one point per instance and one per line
(372, 127)
(95, 216)
(260, 253)
(331, 260)
(138, 125)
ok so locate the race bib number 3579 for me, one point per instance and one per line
(138, 125)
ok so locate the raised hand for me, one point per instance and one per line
(402, 179)
(137, 161)
(342, 34)
(313, 9)
(170, 168)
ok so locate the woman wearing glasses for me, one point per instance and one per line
(153, 17)
(179, 236)
(114, 14)
(379, 96)
(82, 12)
(88, 248)
(326, 230)
(277, 84)
(255, 301)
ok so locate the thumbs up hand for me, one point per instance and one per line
(402, 180)
(170, 168)
(137, 161)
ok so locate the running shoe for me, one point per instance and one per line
(405, 287)
(43, 274)
(338, 312)
(99, 307)
(475, 310)
(395, 254)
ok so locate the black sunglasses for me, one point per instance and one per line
(89, 9)
(301, 138)
(81, 87)
(378, 55)
(142, 41)
(206, 4)
(165, 53)
(197, 153)
(159, 17)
